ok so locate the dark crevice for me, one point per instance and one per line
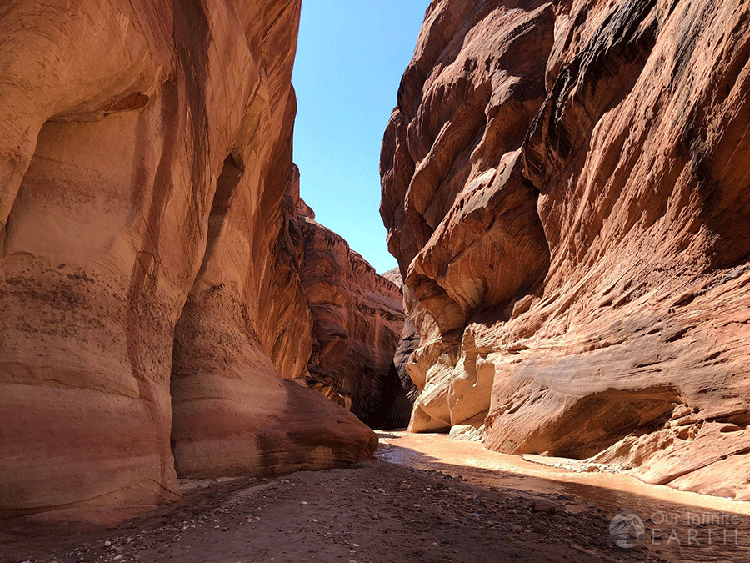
(620, 49)
(226, 188)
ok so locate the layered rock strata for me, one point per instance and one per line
(565, 187)
(357, 318)
(149, 301)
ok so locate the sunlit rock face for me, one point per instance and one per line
(461, 216)
(151, 308)
(565, 186)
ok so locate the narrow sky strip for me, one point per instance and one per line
(350, 58)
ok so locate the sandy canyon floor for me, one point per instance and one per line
(457, 503)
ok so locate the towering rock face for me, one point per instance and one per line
(461, 217)
(578, 268)
(149, 299)
(357, 318)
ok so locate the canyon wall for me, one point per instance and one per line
(357, 319)
(565, 187)
(152, 312)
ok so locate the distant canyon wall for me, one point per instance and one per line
(357, 320)
(566, 190)
(153, 315)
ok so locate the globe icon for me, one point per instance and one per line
(627, 530)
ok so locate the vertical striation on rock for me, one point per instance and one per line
(150, 302)
(569, 221)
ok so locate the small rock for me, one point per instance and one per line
(543, 505)
(375, 517)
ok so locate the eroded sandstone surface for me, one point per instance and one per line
(565, 186)
(152, 312)
(357, 320)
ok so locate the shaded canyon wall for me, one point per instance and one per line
(565, 187)
(152, 312)
(357, 319)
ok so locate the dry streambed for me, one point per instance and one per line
(419, 509)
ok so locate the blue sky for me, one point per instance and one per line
(350, 58)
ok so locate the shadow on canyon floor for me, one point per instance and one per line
(416, 509)
(678, 526)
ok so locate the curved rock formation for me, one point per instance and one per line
(577, 268)
(357, 318)
(144, 156)
(461, 217)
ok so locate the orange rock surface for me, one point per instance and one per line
(565, 186)
(149, 300)
(357, 319)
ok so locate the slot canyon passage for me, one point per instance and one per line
(191, 365)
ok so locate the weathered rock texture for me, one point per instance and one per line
(357, 318)
(394, 276)
(150, 301)
(565, 186)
